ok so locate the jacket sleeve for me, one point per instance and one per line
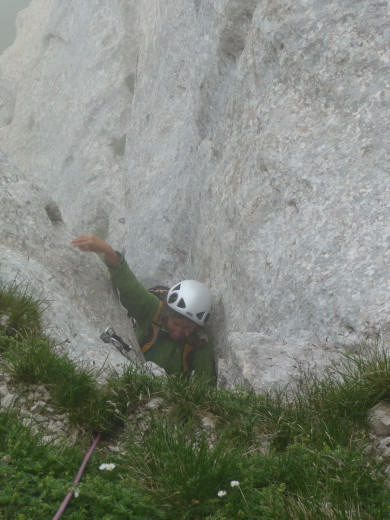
(135, 298)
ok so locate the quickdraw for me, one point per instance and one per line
(109, 336)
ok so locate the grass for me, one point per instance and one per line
(20, 312)
(39, 476)
(303, 456)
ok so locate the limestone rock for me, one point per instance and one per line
(266, 362)
(39, 417)
(35, 252)
(8, 401)
(208, 422)
(155, 403)
(240, 142)
(153, 370)
(380, 419)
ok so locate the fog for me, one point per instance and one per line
(8, 12)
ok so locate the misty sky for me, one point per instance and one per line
(8, 12)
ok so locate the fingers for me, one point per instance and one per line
(89, 243)
(82, 242)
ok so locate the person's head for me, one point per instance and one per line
(190, 304)
(179, 327)
(191, 300)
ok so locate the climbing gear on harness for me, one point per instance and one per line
(109, 336)
(148, 344)
(151, 337)
(192, 300)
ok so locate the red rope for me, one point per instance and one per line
(77, 479)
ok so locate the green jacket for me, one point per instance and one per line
(143, 306)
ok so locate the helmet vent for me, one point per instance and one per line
(181, 304)
(191, 299)
(173, 297)
(206, 318)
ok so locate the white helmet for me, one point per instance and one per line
(192, 299)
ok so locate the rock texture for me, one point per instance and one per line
(33, 406)
(34, 409)
(380, 419)
(78, 298)
(240, 142)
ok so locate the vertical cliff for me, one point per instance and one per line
(241, 142)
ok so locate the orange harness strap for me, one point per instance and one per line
(152, 336)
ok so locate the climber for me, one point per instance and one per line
(170, 323)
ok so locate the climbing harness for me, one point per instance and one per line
(77, 479)
(148, 344)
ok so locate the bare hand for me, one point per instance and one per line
(94, 244)
(90, 243)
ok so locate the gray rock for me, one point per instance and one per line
(280, 363)
(155, 403)
(72, 437)
(265, 447)
(3, 390)
(385, 452)
(208, 422)
(240, 142)
(4, 378)
(153, 370)
(54, 427)
(62, 417)
(8, 401)
(379, 418)
(385, 442)
(48, 439)
(38, 407)
(43, 391)
(44, 398)
(23, 412)
(4, 320)
(37, 255)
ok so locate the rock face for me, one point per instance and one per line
(35, 253)
(240, 142)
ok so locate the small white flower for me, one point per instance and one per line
(221, 493)
(76, 492)
(107, 466)
(234, 483)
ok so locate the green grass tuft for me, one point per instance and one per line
(20, 312)
(301, 456)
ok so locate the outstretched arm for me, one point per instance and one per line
(94, 244)
(138, 301)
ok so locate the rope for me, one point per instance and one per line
(77, 479)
